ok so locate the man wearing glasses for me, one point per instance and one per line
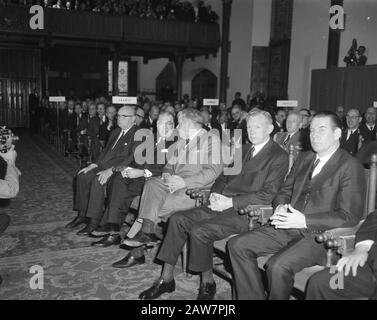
(351, 135)
(91, 181)
(129, 181)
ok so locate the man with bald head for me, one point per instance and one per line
(92, 180)
(368, 130)
(350, 136)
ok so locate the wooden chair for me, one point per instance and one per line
(339, 240)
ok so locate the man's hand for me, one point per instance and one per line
(104, 175)
(175, 183)
(282, 219)
(219, 203)
(358, 257)
(10, 156)
(132, 173)
(88, 168)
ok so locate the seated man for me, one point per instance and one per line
(363, 263)
(264, 165)
(349, 140)
(167, 194)
(293, 134)
(91, 181)
(324, 190)
(128, 182)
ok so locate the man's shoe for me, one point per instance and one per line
(207, 291)
(107, 241)
(129, 261)
(76, 222)
(86, 231)
(157, 289)
(106, 229)
(141, 239)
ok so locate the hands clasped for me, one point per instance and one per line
(286, 217)
(219, 203)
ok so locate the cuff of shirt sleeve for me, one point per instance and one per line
(368, 243)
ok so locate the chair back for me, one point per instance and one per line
(371, 177)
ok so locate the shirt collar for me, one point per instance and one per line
(323, 160)
(259, 147)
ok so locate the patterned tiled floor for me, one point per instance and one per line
(71, 268)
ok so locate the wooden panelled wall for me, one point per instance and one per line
(19, 75)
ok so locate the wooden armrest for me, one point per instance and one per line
(197, 193)
(337, 233)
(258, 213)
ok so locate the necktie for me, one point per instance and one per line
(286, 140)
(251, 154)
(316, 162)
(120, 137)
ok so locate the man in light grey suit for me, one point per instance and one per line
(196, 164)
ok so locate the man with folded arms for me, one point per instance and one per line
(324, 190)
(91, 181)
(196, 164)
(264, 166)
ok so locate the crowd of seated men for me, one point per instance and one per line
(325, 189)
(154, 9)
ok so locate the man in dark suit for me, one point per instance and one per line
(237, 123)
(293, 136)
(264, 166)
(362, 262)
(92, 180)
(150, 122)
(325, 189)
(368, 130)
(351, 136)
(128, 181)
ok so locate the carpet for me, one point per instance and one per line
(72, 269)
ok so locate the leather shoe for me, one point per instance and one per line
(107, 241)
(86, 231)
(158, 288)
(106, 229)
(207, 291)
(129, 261)
(141, 239)
(76, 222)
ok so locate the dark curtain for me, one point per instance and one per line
(352, 87)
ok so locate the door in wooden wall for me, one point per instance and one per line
(204, 85)
(19, 75)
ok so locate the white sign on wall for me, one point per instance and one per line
(56, 99)
(375, 104)
(210, 102)
(124, 100)
(287, 103)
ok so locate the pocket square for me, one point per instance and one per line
(125, 143)
(164, 150)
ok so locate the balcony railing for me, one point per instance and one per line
(104, 27)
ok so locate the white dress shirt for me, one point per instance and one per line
(258, 147)
(322, 162)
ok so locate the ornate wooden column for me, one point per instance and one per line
(115, 59)
(179, 60)
(225, 48)
(334, 42)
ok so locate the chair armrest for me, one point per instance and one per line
(199, 195)
(258, 213)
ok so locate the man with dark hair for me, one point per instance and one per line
(238, 100)
(264, 166)
(324, 190)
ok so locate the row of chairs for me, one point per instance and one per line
(336, 241)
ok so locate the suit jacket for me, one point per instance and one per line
(147, 125)
(123, 152)
(337, 196)
(368, 231)
(204, 164)
(295, 140)
(350, 145)
(368, 135)
(260, 177)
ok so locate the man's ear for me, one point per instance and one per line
(338, 133)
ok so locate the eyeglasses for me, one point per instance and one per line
(123, 116)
